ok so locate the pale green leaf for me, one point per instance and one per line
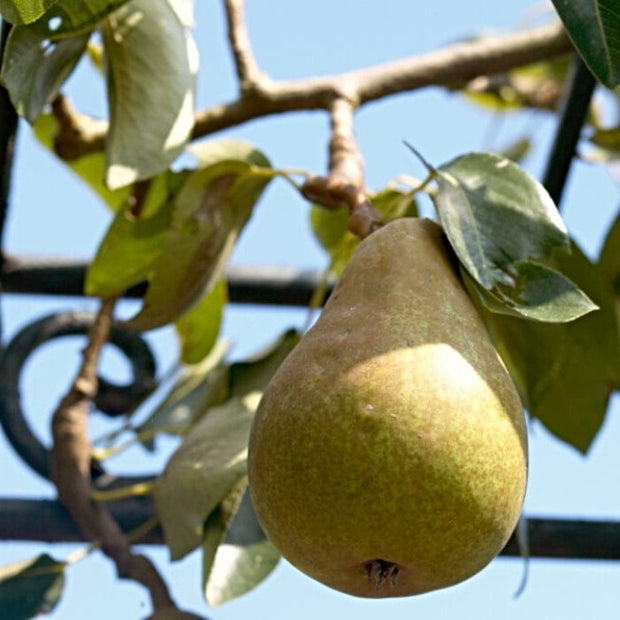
(70, 17)
(209, 213)
(237, 555)
(151, 64)
(31, 587)
(238, 569)
(35, 67)
(202, 472)
(133, 244)
(90, 167)
(197, 388)
(199, 328)
(24, 11)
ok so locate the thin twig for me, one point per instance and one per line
(248, 72)
(449, 67)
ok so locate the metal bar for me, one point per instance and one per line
(48, 521)
(275, 286)
(573, 111)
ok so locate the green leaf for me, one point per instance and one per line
(24, 11)
(542, 294)
(202, 472)
(90, 168)
(244, 559)
(564, 371)
(331, 226)
(133, 245)
(209, 213)
(199, 328)
(217, 525)
(31, 587)
(498, 220)
(594, 27)
(69, 17)
(609, 266)
(35, 66)
(198, 387)
(238, 570)
(151, 65)
(253, 374)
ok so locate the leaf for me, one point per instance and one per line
(35, 66)
(238, 569)
(217, 525)
(30, 587)
(202, 472)
(199, 387)
(151, 64)
(133, 245)
(209, 213)
(244, 559)
(90, 168)
(498, 219)
(542, 294)
(564, 371)
(537, 86)
(24, 11)
(199, 328)
(253, 374)
(609, 266)
(331, 226)
(69, 17)
(593, 26)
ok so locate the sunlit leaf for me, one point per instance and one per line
(69, 17)
(151, 65)
(31, 587)
(35, 67)
(209, 213)
(238, 569)
(499, 220)
(24, 11)
(133, 244)
(241, 556)
(90, 167)
(199, 328)
(593, 26)
(198, 387)
(202, 472)
(564, 371)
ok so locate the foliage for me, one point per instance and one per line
(553, 313)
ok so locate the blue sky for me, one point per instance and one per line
(294, 40)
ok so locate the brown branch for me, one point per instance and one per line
(248, 71)
(449, 67)
(344, 184)
(71, 462)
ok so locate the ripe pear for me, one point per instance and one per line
(388, 456)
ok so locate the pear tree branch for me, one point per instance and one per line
(450, 67)
(71, 466)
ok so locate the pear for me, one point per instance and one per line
(388, 456)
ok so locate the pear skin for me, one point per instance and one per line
(388, 456)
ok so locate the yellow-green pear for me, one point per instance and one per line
(388, 456)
